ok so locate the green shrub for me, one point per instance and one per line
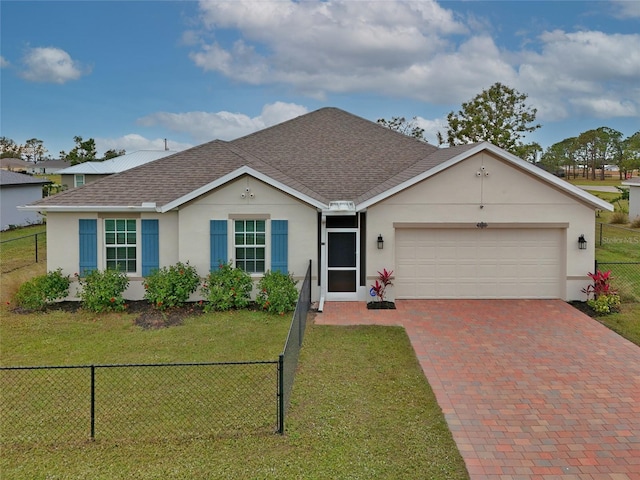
(171, 287)
(101, 291)
(605, 304)
(40, 291)
(277, 292)
(227, 288)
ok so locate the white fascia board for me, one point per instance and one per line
(232, 176)
(88, 208)
(503, 154)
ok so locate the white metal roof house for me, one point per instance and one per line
(18, 189)
(634, 196)
(471, 221)
(78, 175)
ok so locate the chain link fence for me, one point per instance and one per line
(22, 251)
(50, 405)
(625, 278)
(610, 235)
(289, 358)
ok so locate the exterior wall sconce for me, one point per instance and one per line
(582, 242)
(380, 242)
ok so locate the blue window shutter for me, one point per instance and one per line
(88, 245)
(279, 246)
(218, 244)
(150, 246)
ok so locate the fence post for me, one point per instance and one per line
(281, 394)
(601, 233)
(36, 235)
(93, 402)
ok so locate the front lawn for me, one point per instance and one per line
(361, 407)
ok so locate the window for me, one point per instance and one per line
(120, 242)
(78, 180)
(249, 238)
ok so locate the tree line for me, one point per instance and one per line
(499, 115)
(33, 150)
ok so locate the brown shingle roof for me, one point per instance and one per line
(327, 155)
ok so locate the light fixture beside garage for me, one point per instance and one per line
(582, 242)
(380, 242)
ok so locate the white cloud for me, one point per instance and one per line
(50, 64)
(335, 46)
(583, 72)
(415, 49)
(3, 62)
(627, 8)
(133, 142)
(207, 126)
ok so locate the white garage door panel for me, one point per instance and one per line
(470, 263)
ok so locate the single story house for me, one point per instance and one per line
(48, 167)
(17, 189)
(78, 175)
(634, 196)
(470, 221)
(15, 165)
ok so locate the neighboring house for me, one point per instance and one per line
(470, 221)
(86, 172)
(634, 196)
(18, 189)
(48, 167)
(15, 165)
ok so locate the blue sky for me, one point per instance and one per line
(130, 74)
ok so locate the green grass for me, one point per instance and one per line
(361, 407)
(626, 323)
(84, 338)
(607, 182)
(17, 252)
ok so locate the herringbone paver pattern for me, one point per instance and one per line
(531, 389)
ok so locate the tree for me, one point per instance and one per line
(113, 153)
(630, 156)
(34, 150)
(401, 125)
(597, 148)
(498, 115)
(9, 148)
(561, 155)
(84, 151)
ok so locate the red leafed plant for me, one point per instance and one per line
(601, 284)
(605, 299)
(383, 281)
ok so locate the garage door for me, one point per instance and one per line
(475, 263)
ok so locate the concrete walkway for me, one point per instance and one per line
(598, 188)
(531, 389)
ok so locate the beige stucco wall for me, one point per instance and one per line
(260, 200)
(506, 195)
(184, 233)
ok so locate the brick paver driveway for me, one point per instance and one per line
(529, 388)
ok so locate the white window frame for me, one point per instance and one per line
(76, 177)
(264, 246)
(108, 246)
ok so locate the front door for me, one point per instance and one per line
(342, 263)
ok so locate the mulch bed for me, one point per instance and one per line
(147, 317)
